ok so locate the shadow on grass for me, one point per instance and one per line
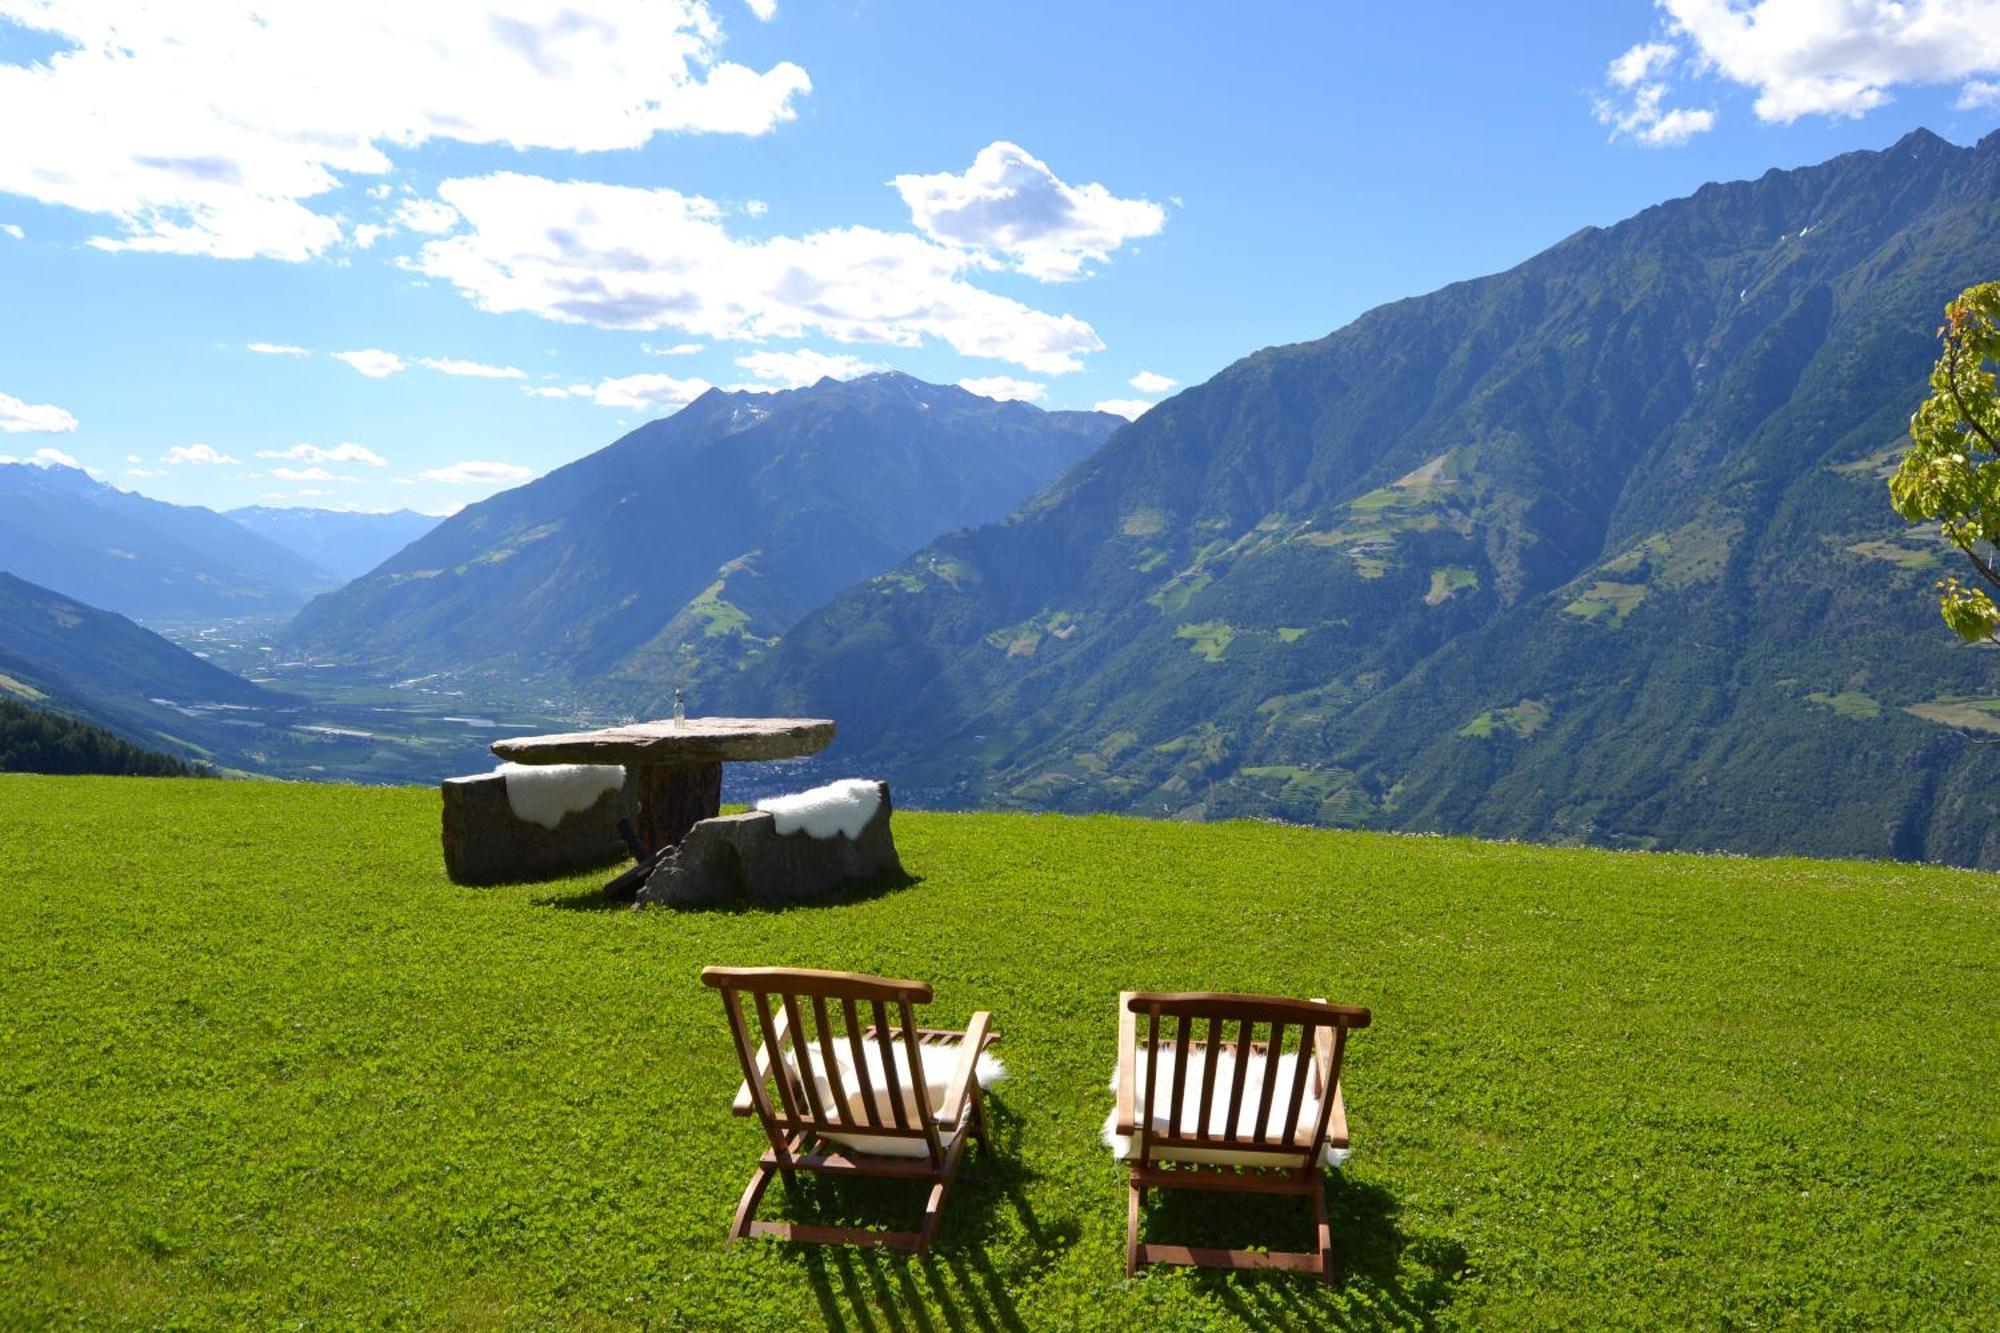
(991, 1242)
(854, 891)
(1384, 1278)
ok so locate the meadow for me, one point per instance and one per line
(260, 1063)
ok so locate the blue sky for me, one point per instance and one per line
(560, 223)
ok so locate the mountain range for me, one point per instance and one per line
(681, 552)
(344, 543)
(1596, 549)
(143, 557)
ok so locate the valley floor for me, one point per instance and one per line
(260, 1062)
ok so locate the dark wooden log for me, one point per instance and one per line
(674, 798)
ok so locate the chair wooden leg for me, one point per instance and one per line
(1325, 1229)
(1135, 1204)
(747, 1209)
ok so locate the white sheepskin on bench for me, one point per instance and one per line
(544, 793)
(845, 806)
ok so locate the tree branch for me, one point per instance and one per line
(1952, 352)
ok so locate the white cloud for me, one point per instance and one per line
(45, 458)
(1148, 382)
(368, 233)
(677, 349)
(647, 259)
(548, 391)
(1009, 203)
(277, 349)
(756, 208)
(429, 216)
(763, 9)
(308, 474)
(796, 369)
(198, 455)
(1005, 387)
(650, 392)
(1977, 95)
(14, 229)
(17, 417)
(475, 369)
(1802, 58)
(208, 129)
(475, 473)
(145, 472)
(1129, 408)
(340, 453)
(373, 362)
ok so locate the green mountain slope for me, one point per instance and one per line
(685, 549)
(57, 653)
(143, 557)
(1594, 549)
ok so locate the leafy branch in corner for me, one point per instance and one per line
(1952, 471)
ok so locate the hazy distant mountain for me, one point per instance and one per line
(56, 652)
(688, 546)
(142, 557)
(1595, 549)
(336, 540)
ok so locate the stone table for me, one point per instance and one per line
(677, 765)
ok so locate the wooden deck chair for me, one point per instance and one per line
(828, 1059)
(1229, 1092)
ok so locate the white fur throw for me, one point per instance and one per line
(939, 1063)
(1245, 1155)
(845, 807)
(544, 793)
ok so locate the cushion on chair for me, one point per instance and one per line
(1122, 1147)
(940, 1062)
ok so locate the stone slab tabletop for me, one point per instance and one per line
(698, 740)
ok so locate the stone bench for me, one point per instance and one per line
(745, 858)
(540, 831)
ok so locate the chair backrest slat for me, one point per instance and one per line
(795, 1030)
(1208, 1065)
(1176, 1107)
(780, 1074)
(1301, 1071)
(917, 1088)
(1273, 1048)
(1274, 1126)
(871, 1112)
(842, 1107)
(883, 1044)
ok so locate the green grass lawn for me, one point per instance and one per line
(261, 1064)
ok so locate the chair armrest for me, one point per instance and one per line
(952, 1108)
(1322, 1053)
(1336, 1123)
(1336, 1120)
(745, 1104)
(1128, 1046)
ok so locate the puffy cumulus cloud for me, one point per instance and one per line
(208, 128)
(1977, 95)
(1005, 388)
(17, 417)
(476, 473)
(277, 349)
(1129, 408)
(765, 10)
(373, 362)
(197, 455)
(428, 216)
(644, 392)
(1148, 382)
(340, 453)
(45, 458)
(1801, 57)
(1008, 203)
(446, 365)
(622, 257)
(792, 370)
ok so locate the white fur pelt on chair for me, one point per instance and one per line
(839, 807)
